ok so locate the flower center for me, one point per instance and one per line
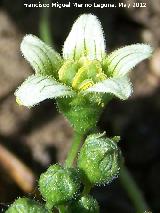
(81, 74)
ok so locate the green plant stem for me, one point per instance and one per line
(62, 209)
(74, 149)
(87, 189)
(132, 190)
(44, 25)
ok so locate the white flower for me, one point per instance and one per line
(85, 66)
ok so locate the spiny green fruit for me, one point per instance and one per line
(86, 204)
(25, 205)
(99, 159)
(58, 184)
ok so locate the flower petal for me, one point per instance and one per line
(121, 61)
(85, 39)
(38, 88)
(42, 58)
(120, 87)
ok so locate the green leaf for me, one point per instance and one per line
(85, 39)
(120, 87)
(38, 88)
(121, 61)
(43, 59)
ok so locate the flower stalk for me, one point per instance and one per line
(74, 149)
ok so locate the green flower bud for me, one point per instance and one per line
(99, 159)
(59, 185)
(86, 204)
(24, 205)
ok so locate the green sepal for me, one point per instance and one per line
(99, 159)
(25, 205)
(85, 204)
(83, 112)
(59, 185)
(105, 64)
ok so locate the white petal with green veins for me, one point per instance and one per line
(38, 88)
(120, 87)
(42, 58)
(121, 61)
(85, 39)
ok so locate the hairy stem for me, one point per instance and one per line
(74, 149)
(133, 191)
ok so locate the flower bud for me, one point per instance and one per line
(22, 205)
(99, 159)
(59, 185)
(86, 204)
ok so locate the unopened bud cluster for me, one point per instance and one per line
(98, 163)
